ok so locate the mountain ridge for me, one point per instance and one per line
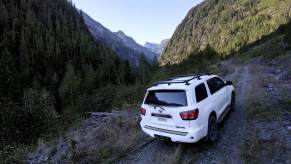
(225, 26)
(125, 46)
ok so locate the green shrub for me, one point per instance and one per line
(129, 95)
(26, 122)
(100, 101)
(70, 86)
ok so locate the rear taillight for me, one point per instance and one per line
(142, 111)
(190, 115)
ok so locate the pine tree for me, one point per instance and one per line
(7, 70)
(144, 69)
(90, 80)
(70, 86)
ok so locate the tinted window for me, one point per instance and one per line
(200, 92)
(215, 84)
(167, 98)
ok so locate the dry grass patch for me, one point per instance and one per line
(108, 141)
(97, 140)
(256, 110)
(255, 150)
(267, 112)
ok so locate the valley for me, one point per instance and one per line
(70, 88)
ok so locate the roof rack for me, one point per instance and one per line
(173, 81)
(196, 74)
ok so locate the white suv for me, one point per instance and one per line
(187, 108)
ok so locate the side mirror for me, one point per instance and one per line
(228, 83)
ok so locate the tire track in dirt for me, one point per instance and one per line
(225, 150)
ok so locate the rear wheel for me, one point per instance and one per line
(212, 129)
(232, 104)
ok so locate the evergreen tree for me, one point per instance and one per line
(144, 70)
(46, 49)
(70, 87)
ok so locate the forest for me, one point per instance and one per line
(52, 69)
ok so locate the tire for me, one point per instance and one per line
(232, 103)
(212, 129)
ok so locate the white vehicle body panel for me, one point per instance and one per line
(174, 127)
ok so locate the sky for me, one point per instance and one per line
(144, 20)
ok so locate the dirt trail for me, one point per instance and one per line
(225, 150)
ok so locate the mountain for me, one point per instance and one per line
(131, 43)
(225, 26)
(123, 45)
(151, 46)
(49, 61)
(157, 48)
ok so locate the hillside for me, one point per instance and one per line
(225, 26)
(49, 63)
(124, 46)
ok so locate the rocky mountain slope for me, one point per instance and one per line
(125, 46)
(226, 26)
(131, 43)
(157, 48)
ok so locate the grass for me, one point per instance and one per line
(72, 118)
(18, 152)
(113, 133)
(261, 103)
(14, 153)
(266, 108)
(256, 110)
(255, 150)
(268, 49)
(105, 141)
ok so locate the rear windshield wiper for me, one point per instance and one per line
(174, 104)
(155, 106)
(160, 107)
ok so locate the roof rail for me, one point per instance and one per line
(187, 75)
(173, 81)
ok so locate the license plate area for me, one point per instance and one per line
(161, 119)
(161, 115)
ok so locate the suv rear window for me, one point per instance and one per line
(167, 98)
(200, 92)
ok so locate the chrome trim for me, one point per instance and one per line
(166, 131)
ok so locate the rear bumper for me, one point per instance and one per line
(190, 136)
